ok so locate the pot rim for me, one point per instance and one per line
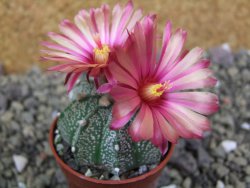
(105, 182)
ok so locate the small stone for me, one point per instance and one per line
(204, 159)
(170, 186)
(104, 101)
(115, 178)
(229, 145)
(28, 117)
(1, 167)
(30, 103)
(143, 169)
(102, 177)
(88, 173)
(57, 139)
(233, 71)
(247, 170)
(220, 184)
(246, 75)
(221, 170)
(7, 117)
(219, 152)
(14, 91)
(47, 149)
(17, 107)
(185, 161)
(240, 184)
(151, 167)
(28, 131)
(240, 161)
(245, 126)
(20, 162)
(116, 171)
(3, 103)
(55, 114)
(59, 176)
(187, 183)
(59, 147)
(73, 149)
(21, 185)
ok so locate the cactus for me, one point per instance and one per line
(84, 125)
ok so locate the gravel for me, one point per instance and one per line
(29, 102)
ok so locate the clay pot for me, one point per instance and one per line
(77, 180)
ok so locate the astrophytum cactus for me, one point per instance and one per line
(84, 125)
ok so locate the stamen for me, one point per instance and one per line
(153, 91)
(101, 55)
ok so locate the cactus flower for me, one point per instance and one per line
(157, 93)
(87, 44)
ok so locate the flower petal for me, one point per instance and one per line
(120, 93)
(188, 123)
(172, 50)
(166, 129)
(73, 33)
(201, 102)
(197, 79)
(72, 80)
(190, 59)
(142, 126)
(123, 111)
(122, 76)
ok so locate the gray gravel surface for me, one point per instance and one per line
(29, 102)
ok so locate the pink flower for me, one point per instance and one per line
(87, 45)
(152, 91)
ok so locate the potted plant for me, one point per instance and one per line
(129, 105)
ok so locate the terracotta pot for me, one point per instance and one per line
(77, 180)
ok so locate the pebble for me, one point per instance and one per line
(60, 176)
(247, 170)
(221, 170)
(241, 161)
(3, 103)
(185, 162)
(170, 186)
(20, 162)
(245, 126)
(220, 184)
(115, 178)
(143, 169)
(204, 159)
(21, 185)
(7, 117)
(88, 173)
(229, 145)
(187, 183)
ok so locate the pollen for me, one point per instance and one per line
(154, 91)
(101, 55)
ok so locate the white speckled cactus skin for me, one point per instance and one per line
(85, 126)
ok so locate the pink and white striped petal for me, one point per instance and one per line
(202, 102)
(142, 126)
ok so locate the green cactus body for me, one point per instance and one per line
(85, 126)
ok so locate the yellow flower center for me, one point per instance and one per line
(101, 55)
(153, 91)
